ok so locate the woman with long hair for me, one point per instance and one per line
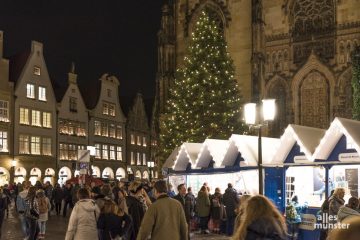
(136, 206)
(44, 206)
(121, 200)
(240, 211)
(261, 221)
(32, 214)
(203, 209)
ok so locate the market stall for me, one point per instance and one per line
(292, 172)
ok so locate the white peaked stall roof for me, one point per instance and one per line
(248, 147)
(188, 153)
(308, 138)
(338, 128)
(170, 161)
(212, 149)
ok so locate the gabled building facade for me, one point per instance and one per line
(73, 126)
(34, 116)
(138, 139)
(107, 129)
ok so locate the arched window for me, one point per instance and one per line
(278, 92)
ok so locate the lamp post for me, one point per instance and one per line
(251, 119)
(13, 166)
(150, 165)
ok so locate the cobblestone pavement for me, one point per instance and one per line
(56, 228)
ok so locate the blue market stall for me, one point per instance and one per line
(293, 173)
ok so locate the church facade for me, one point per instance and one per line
(296, 51)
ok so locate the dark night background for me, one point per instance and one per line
(100, 36)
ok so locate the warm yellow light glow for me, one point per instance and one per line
(250, 113)
(13, 163)
(269, 109)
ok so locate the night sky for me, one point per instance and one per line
(100, 36)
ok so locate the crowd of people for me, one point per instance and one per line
(151, 210)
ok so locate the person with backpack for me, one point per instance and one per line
(293, 217)
(32, 214)
(44, 206)
(3, 207)
(21, 207)
(216, 210)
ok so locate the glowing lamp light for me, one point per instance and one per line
(150, 164)
(269, 109)
(13, 163)
(250, 113)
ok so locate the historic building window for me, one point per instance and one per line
(46, 119)
(97, 125)
(97, 150)
(119, 132)
(30, 90)
(72, 152)
(144, 141)
(104, 129)
(112, 131)
(24, 144)
(112, 152)
(112, 110)
(138, 140)
(63, 151)
(37, 71)
(132, 158)
(278, 92)
(35, 145)
(138, 160)
(3, 141)
(46, 146)
(109, 92)
(24, 116)
(119, 153)
(73, 104)
(314, 101)
(105, 154)
(36, 118)
(132, 137)
(144, 159)
(42, 94)
(4, 111)
(105, 108)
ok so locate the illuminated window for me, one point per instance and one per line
(4, 111)
(24, 116)
(35, 145)
(37, 71)
(118, 132)
(24, 144)
(3, 142)
(35, 118)
(112, 152)
(144, 159)
(73, 104)
(139, 140)
(63, 151)
(144, 141)
(72, 152)
(105, 154)
(105, 108)
(112, 131)
(138, 160)
(42, 94)
(104, 130)
(97, 128)
(119, 153)
(111, 109)
(46, 120)
(80, 129)
(132, 139)
(30, 90)
(46, 146)
(132, 158)
(97, 150)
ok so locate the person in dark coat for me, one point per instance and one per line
(3, 207)
(67, 198)
(216, 210)
(57, 196)
(231, 201)
(136, 207)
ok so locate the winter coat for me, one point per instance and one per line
(67, 194)
(114, 225)
(293, 212)
(165, 219)
(20, 201)
(189, 205)
(82, 222)
(48, 191)
(347, 213)
(203, 205)
(58, 195)
(136, 212)
(44, 216)
(231, 201)
(264, 229)
(334, 205)
(3, 203)
(216, 210)
(31, 207)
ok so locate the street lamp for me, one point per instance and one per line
(13, 166)
(150, 165)
(268, 114)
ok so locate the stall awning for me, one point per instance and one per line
(247, 147)
(170, 161)
(306, 138)
(212, 150)
(188, 153)
(339, 128)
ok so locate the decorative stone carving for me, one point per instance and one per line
(345, 101)
(278, 91)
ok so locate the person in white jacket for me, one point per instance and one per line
(349, 210)
(82, 223)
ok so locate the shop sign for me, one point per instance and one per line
(83, 171)
(349, 157)
(308, 222)
(301, 159)
(84, 156)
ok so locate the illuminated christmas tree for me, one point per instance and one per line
(356, 83)
(204, 101)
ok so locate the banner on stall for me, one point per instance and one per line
(349, 157)
(308, 222)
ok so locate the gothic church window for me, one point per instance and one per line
(278, 92)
